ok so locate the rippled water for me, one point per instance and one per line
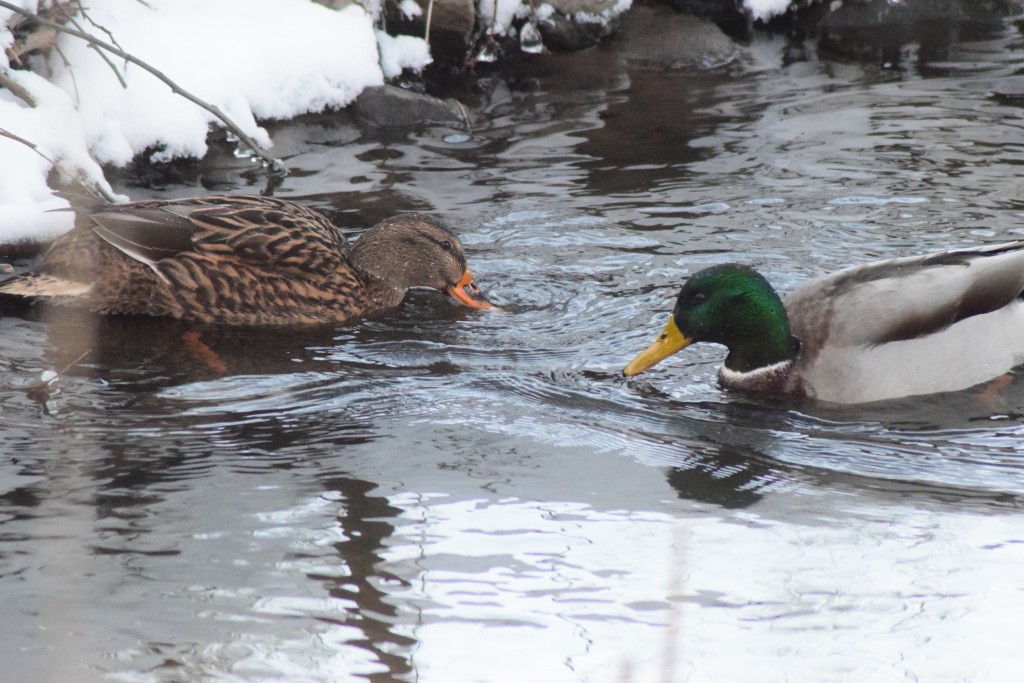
(451, 496)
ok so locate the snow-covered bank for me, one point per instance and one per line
(254, 59)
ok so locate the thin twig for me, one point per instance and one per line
(275, 165)
(74, 362)
(465, 116)
(101, 53)
(17, 89)
(430, 14)
(110, 63)
(105, 58)
(71, 72)
(15, 23)
(95, 190)
(85, 15)
(40, 390)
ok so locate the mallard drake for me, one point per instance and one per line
(900, 327)
(245, 260)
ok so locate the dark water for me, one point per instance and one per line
(450, 496)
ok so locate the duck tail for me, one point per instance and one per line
(81, 202)
(43, 286)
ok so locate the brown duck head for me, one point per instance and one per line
(415, 250)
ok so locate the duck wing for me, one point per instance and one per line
(263, 232)
(905, 298)
(146, 235)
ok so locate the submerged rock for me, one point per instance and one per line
(878, 29)
(391, 106)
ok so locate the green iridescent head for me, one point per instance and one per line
(731, 305)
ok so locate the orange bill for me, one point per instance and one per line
(668, 342)
(468, 294)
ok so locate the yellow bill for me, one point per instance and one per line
(668, 342)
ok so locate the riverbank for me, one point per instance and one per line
(73, 114)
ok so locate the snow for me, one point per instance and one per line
(410, 9)
(53, 127)
(766, 9)
(398, 52)
(499, 14)
(254, 59)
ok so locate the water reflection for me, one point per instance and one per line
(366, 585)
(731, 480)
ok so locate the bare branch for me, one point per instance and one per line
(465, 116)
(41, 389)
(430, 15)
(103, 55)
(71, 72)
(17, 89)
(92, 188)
(275, 164)
(85, 15)
(113, 67)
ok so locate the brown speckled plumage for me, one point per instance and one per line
(245, 260)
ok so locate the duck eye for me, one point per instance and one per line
(447, 246)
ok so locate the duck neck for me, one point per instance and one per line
(772, 345)
(374, 257)
(383, 294)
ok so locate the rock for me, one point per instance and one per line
(578, 24)
(660, 37)
(877, 30)
(728, 16)
(451, 25)
(874, 31)
(390, 106)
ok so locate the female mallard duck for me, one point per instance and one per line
(245, 260)
(901, 327)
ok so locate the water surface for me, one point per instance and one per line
(454, 496)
